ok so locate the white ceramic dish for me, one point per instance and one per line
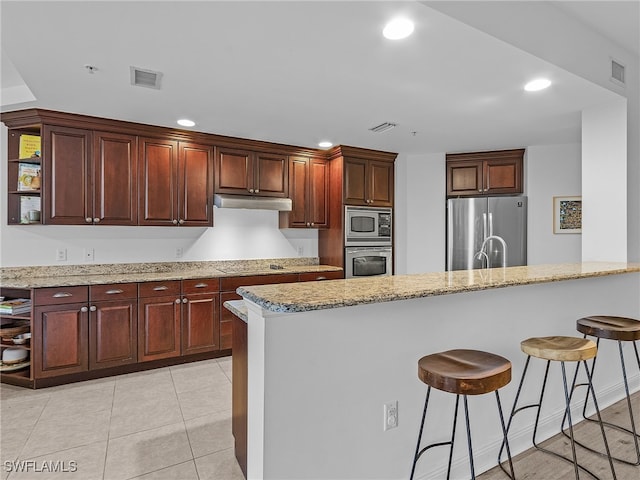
(22, 338)
(12, 356)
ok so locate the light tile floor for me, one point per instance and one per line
(169, 423)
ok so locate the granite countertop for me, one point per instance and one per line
(341, 293)
(238, 308)
(74, 275)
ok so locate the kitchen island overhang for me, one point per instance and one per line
(318, 377)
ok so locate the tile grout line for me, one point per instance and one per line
(106, 450)
(184, 423)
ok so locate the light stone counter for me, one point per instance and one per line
(341, 293)
(73, 275)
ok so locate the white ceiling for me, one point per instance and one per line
(293, 72)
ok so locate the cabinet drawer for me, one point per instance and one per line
(60, 295)
(156, 289)
(202, 285)
(116, 291)
(313, 276)
(230, 284)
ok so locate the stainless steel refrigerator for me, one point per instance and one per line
(486, 231)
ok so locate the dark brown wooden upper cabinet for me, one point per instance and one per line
(485, 173)
(195, 184)
(368, 182)
(175, 185)
(308, 189)
(243, 172)
(115, 186)
(67, 176)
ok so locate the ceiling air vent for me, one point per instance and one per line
(145, 78)
(617, 72)
(383, 127)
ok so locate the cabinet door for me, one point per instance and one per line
(158, 328)
(158, 182)
(200, 323)
(61, 343)
(380, 184)
(115, 173)
(195, 185)
(234, 171)
(503, 176)
(464, 178)
(67, 194)
(318, 206)
(271, 175)
(298, 186)
(354, 182)
(112, 334)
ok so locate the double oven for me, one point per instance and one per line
(368, 237)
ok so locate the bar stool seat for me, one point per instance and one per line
(463, 372)
(560, 349)
(610, 327)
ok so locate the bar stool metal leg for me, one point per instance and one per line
(632, 431)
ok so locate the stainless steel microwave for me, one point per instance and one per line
(367, 226)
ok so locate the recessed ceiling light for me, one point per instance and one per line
(537, 84)
(325, 144)
(398, 28)
(186, 122)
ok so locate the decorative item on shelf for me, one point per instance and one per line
(22, 339)
(29, 176)
(567, 214)
(29, 209)
(12, 356)
(29, 146)
(7, 332)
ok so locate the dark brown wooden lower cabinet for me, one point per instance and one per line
(60, 335)
(158, 327)
(113, 334)
(200, 323)
(239, 389)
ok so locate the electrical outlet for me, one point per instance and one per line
(61, 254)
(390, 415)
(89, 254)
(179, 252)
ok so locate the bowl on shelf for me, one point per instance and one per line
(12, 356)
(22, 338)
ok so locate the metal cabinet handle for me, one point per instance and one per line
(62, 295)
(321, 278)
(312, 224)
(92, 308)
(257, 191)
(114, 291)
(201, 285)
(174, 221)
(160, 288)
(308, 224)
(84, 309)
(251, 190)
(184, 300)
(181, 221)
(96, 220)
(88, 219)
(177, 300)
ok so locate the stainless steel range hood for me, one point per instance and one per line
(247, 201)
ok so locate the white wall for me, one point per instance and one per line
(237, 234)
(420, 213)
(604, 168)
(551, 170)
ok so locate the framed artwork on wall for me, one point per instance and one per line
(567, 214)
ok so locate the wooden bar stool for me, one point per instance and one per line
(463, 372)
(559, 349)
(620, 329)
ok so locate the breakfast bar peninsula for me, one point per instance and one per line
(317, 362)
